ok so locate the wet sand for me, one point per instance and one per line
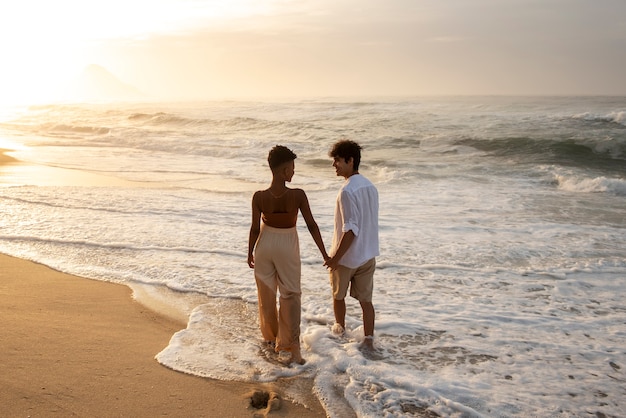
(78, 347)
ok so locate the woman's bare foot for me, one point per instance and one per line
(295, 357)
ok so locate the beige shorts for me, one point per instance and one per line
(360, 280)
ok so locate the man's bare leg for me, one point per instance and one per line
(339, 307)
(369, 316)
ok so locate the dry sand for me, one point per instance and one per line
(76, 347)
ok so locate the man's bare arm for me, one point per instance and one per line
(344, 244)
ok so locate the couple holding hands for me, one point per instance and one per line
(274, 250)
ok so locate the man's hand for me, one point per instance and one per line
(332, 263)
(344, 243)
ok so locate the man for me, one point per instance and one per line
(355, 239)
(274, 254)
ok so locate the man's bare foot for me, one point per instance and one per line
(368, 343)
(369, 351)
(338, 329)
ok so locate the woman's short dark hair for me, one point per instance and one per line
(347, 149)
(280, 155)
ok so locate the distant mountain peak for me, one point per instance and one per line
(96, 83)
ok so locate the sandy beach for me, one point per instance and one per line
(78, 347)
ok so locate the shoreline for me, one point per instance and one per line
(16, 172)
(75, 346)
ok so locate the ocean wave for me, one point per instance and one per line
(61, 129)
(98, 130)
(64, 203)
(618, 117)
(169, 119)
(605, 153)
(116, 245)
(162, 118)
(87, 122)
(591, 185)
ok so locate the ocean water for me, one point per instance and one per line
(500, 288)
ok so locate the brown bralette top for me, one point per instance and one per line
(279, 211)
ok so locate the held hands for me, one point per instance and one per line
(331, 263)
(326, 257)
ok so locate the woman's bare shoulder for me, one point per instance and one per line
(299, 192)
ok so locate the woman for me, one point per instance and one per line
(274, 253)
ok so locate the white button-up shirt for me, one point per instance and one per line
(356, 210)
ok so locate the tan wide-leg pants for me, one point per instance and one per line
(277, 266)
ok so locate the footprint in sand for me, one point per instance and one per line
(265, 402)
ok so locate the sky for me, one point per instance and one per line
(231, 49)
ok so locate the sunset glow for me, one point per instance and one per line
(134, 143)
(244, 48)
(46, 44)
